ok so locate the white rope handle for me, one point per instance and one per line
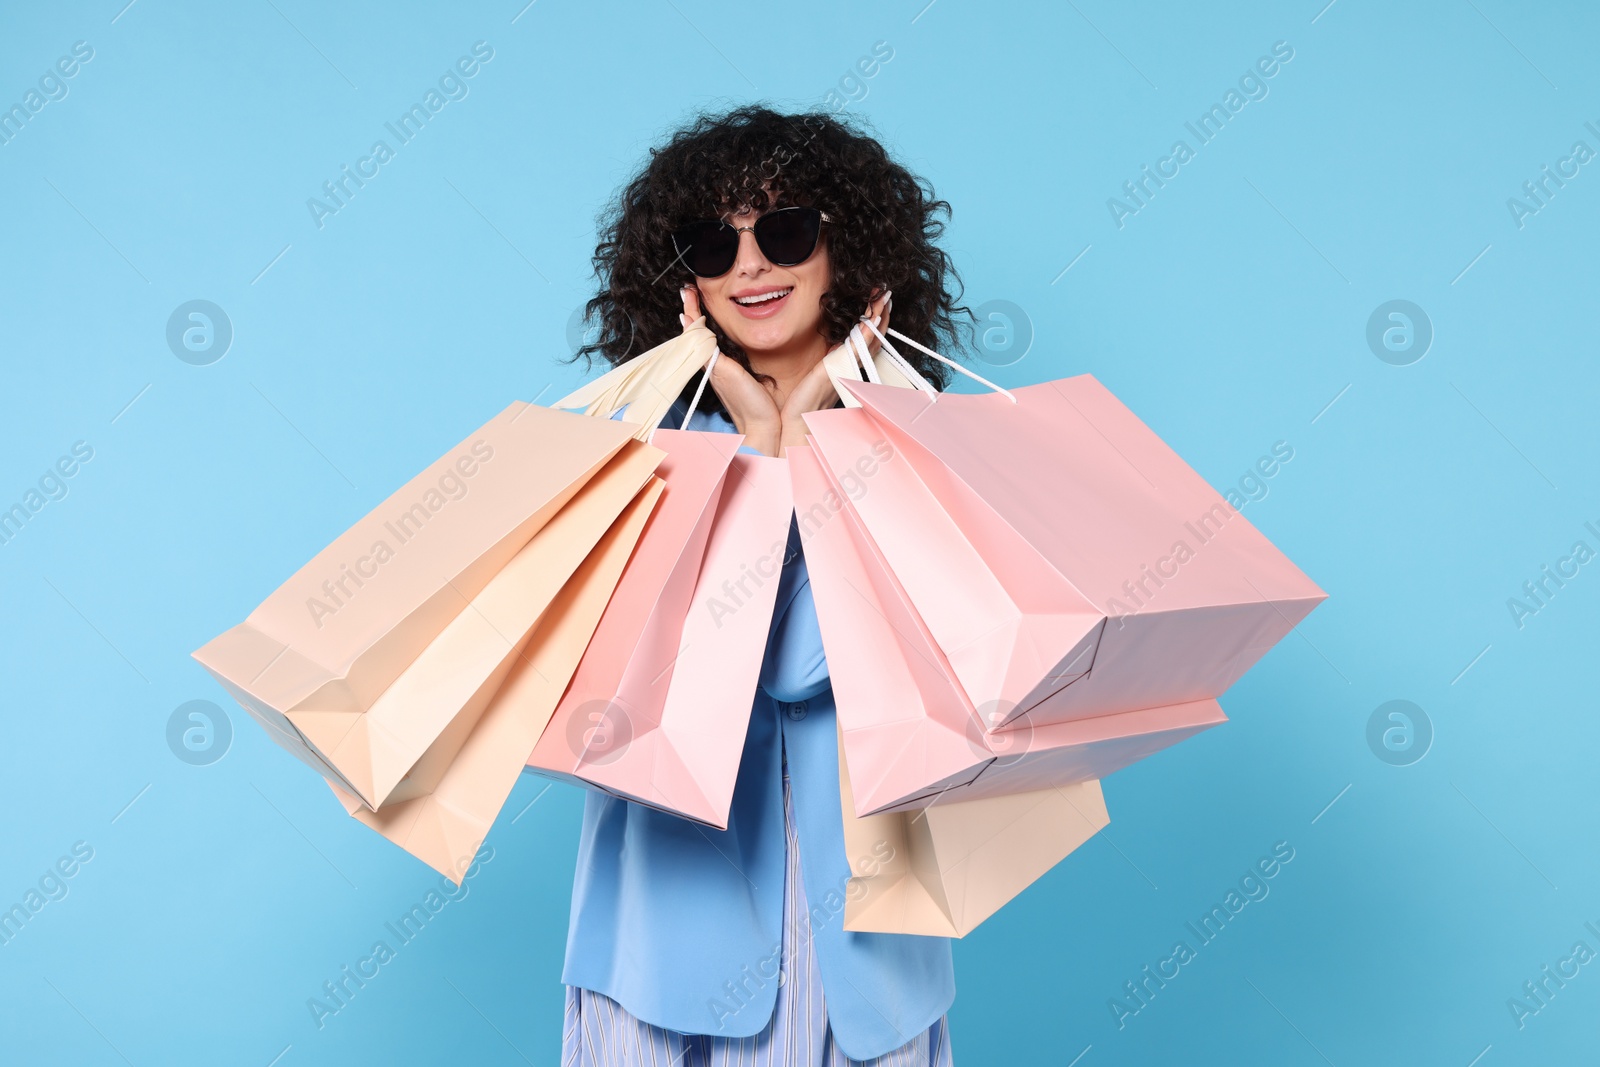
(952, 363)
(863, 354)
(902, 364)
(700, 390)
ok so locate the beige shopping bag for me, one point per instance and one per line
(313, 661)
(942, 870)
(454, 817)
(436, 701)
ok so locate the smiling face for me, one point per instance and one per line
(763, 307)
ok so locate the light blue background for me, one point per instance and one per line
(1229, 314)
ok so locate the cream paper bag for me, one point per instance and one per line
(942, 870)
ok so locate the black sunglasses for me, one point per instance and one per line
(786, 236)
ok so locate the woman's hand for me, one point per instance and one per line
(816, 390)
(751, 407)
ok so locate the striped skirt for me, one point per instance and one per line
(599, 1032)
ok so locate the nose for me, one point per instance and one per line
(751, 262)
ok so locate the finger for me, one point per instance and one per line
(880, 317)
(880, 301)
(729, 372)
(691, 303)
(724, 384)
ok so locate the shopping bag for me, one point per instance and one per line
(660, 718)
(618, 694)
(1000, 615)
(454, 816)
(437, 700)
(508, 658)
(1065, 559)
(942, 870)
(691, 755)
(675, 743)
(313, 660)
(909, 732)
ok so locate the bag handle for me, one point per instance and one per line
(700, 390)
(980, 379)
(853, 359)
(645, 387)
(887, 351)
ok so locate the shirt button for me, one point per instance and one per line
(797, 711)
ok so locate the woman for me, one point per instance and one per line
(689, 945)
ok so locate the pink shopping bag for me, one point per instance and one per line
(688, 757)
(1065, 560)
(911, 735)
(659, 706)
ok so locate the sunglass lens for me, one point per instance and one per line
(708, 248)
(789, 235)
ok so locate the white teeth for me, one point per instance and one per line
(747, 301)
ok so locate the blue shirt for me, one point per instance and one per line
(682, 924)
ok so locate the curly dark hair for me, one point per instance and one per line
(888, 221)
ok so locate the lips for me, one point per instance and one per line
(764, 303)
(763, 297)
